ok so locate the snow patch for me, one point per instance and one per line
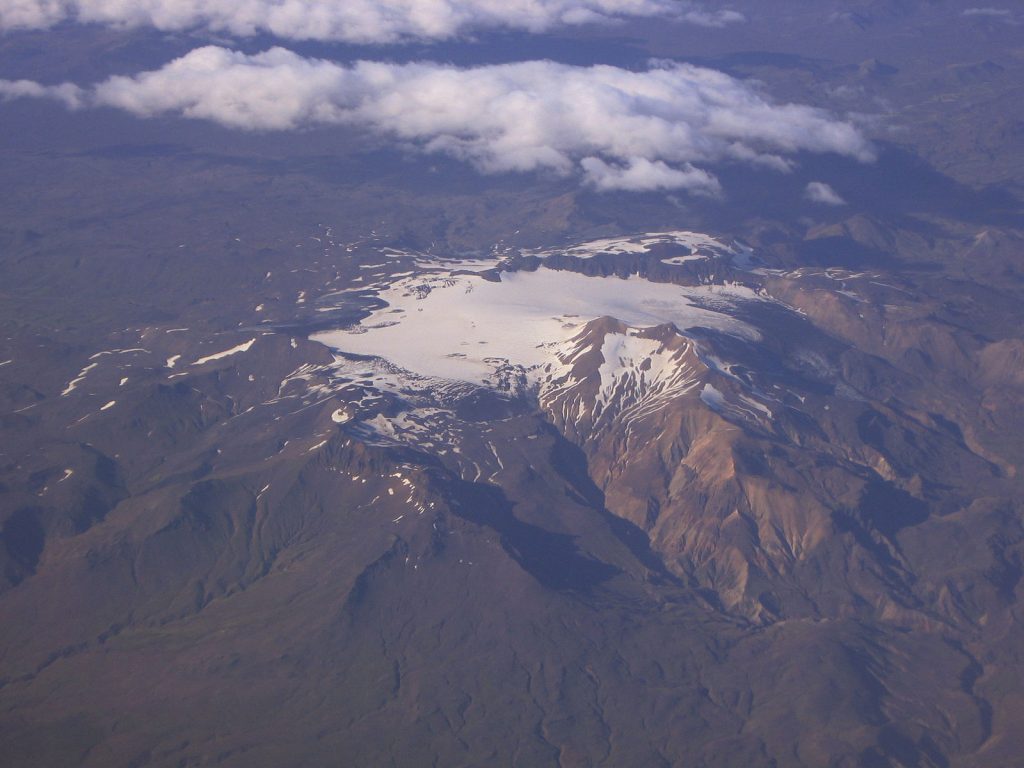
(78, 379)
(244, 347)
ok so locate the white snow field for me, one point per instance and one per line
(462, 327)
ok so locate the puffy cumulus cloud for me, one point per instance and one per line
(271, 91)
(642, 175)
(69, 95)
(359, 21)
(620, 129)
(820, 192)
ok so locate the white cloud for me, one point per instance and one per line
(359, 21)
(641, 175)
(994, 14)
(820, 192)
(66, 93)
(703, 18)
(621, 129)
(997, 12)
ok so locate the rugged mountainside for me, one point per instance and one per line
(575, 546)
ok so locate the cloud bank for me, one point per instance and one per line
(617, 128)
(355, 21)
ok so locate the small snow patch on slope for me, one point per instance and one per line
(712, 397)
(77, 380)
(747, 409)
(244, 347)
